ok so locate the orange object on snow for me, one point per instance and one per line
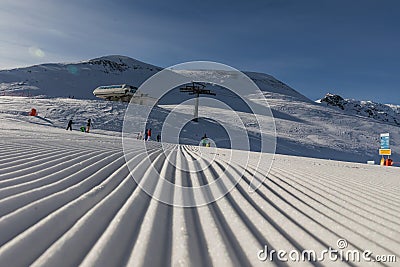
(33, 112)
(389, 162)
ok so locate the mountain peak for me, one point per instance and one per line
(381, 112)
(334, 100)
(122, 61)
(115, 58)
(274, 88)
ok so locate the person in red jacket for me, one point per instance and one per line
(149, 134)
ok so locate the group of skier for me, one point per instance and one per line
(147, 136)
(83, 128)
(147, 133)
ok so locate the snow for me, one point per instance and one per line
(303, 128)
(67, 198)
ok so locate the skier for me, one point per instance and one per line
(69, 125)
(146, 135)
(158, 137)
(204, 140)
(149, 134)
(89, 122)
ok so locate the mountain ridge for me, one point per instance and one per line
(386, 113)
(81, 78)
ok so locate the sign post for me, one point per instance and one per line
(385, 149)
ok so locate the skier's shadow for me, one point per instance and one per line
(46, 120)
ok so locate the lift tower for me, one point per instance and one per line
(196, 89)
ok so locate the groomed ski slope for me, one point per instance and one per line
(67, 198)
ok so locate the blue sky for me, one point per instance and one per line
(345, 47)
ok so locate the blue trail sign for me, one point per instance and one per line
(385, 141)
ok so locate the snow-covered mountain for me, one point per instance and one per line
(80, 79)
(75, 79)
(381, 112)
(304, 128)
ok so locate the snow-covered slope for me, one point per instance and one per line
(314, 130)
(381, 112)
(275, 89)
(304, 128)
(67, 198)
